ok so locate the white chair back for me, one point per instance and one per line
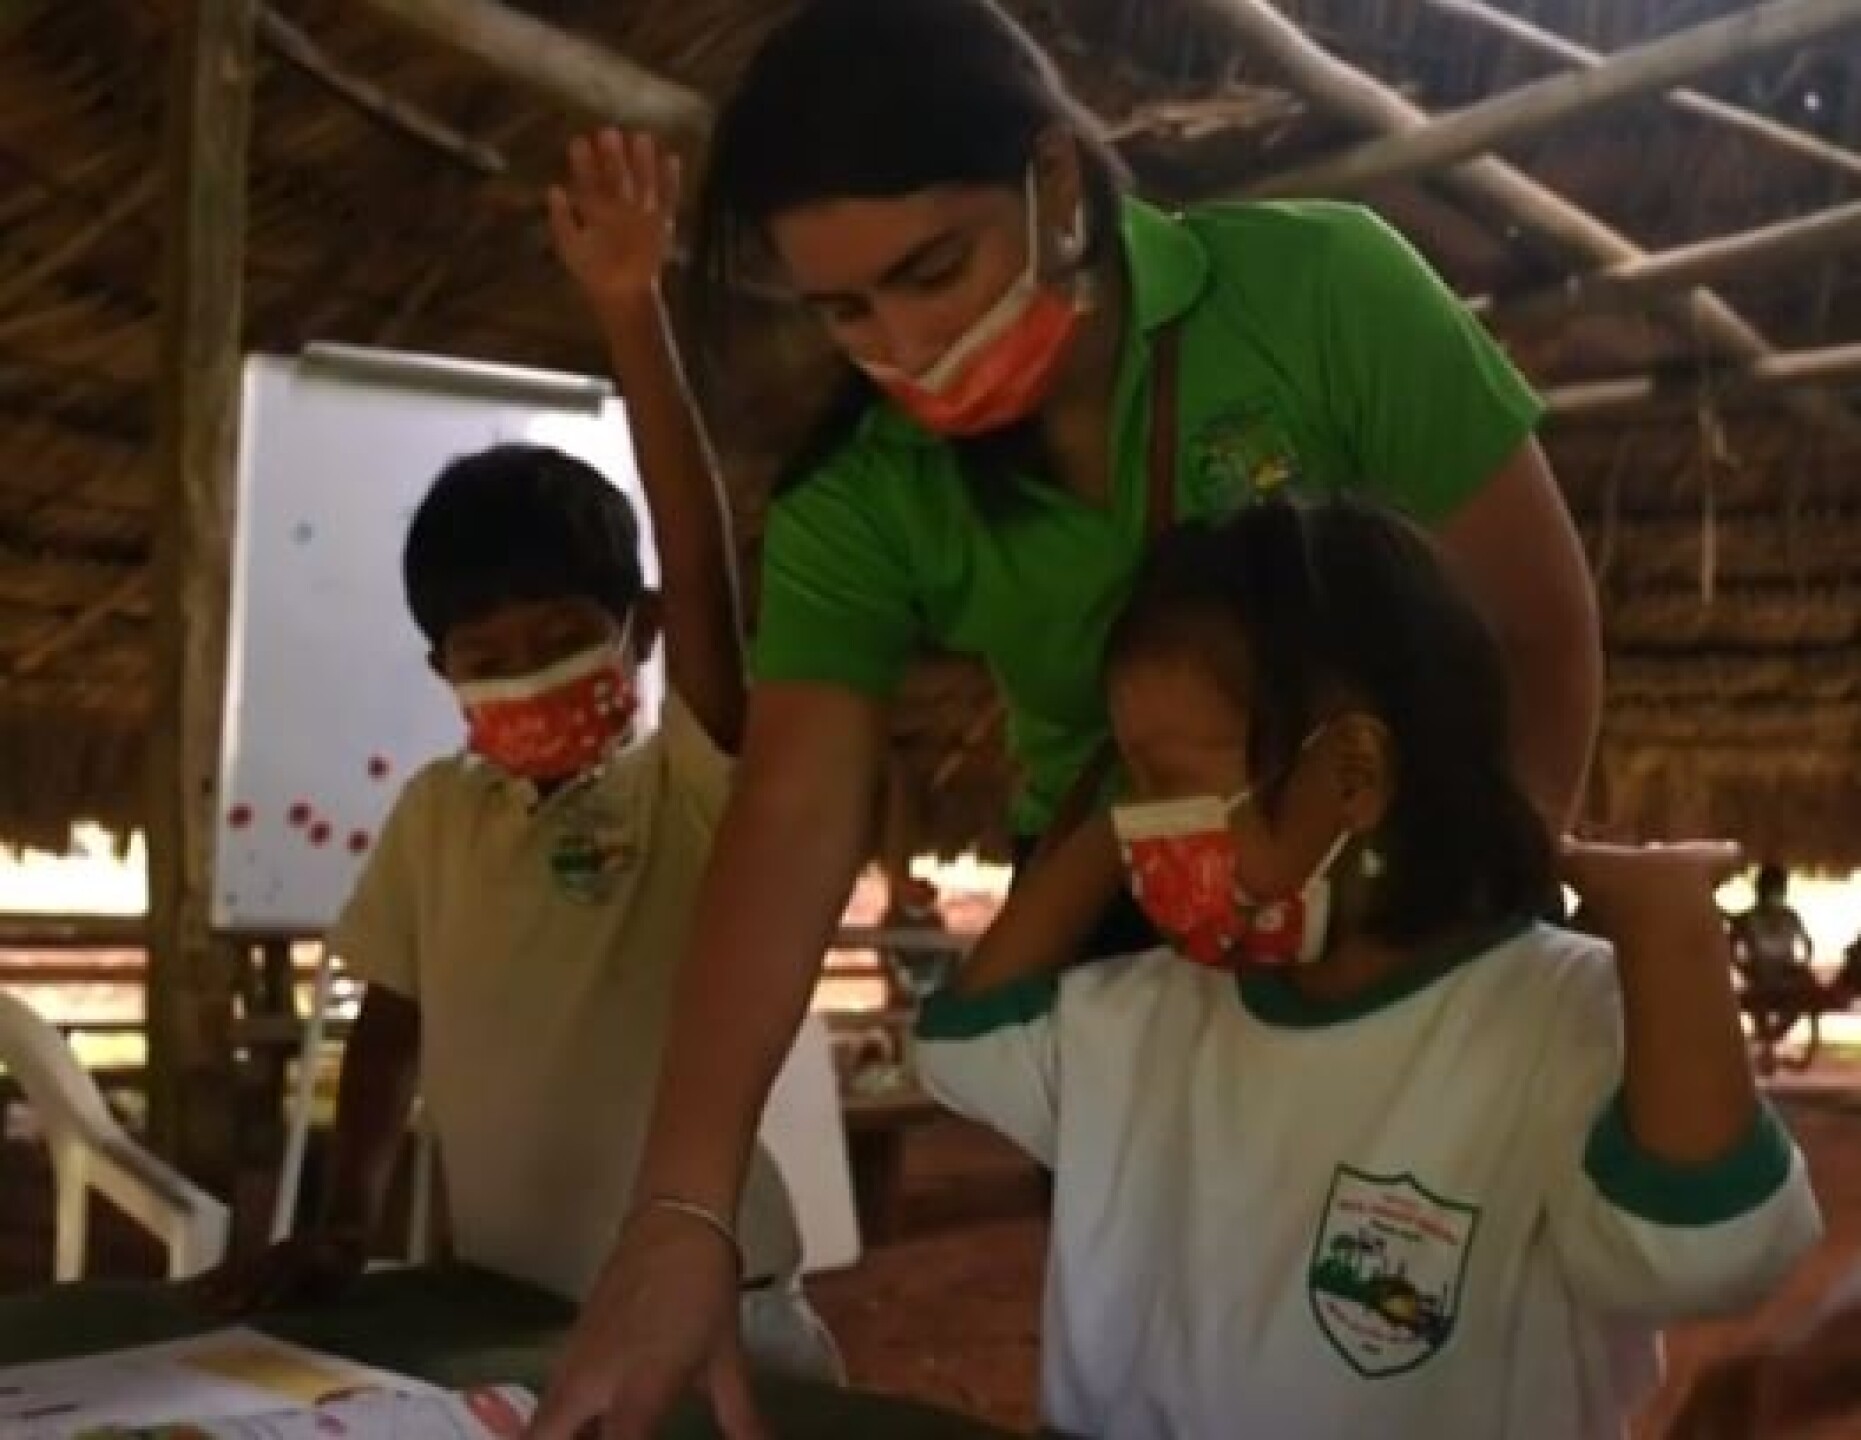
(91, 1151)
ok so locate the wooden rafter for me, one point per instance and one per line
(66, 633)
(577, 72)
(374, 100)
(1699, 315)
(1835, 364)
(1786, 139)
(1723, 257)
(1648, 68)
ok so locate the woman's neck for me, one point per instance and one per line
(1074, 423)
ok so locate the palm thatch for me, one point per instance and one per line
(394, 188)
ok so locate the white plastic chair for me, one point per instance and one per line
(91, 1151)
(805, 1134)
(297, 1132)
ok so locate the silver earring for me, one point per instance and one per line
(1370, 862)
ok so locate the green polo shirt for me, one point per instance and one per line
(1318, 352)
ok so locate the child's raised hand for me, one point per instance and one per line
(613, 218)
(1627, 886)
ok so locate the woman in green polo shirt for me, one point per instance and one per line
(917, 174)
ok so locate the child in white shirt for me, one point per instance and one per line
(1367, 1150)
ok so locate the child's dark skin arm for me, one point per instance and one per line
(1050, 912)
(1686, 1078)
(374, 1097)
(613, 229)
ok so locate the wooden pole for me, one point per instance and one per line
(576, 72)
(1699, 315)
(1836, 364)
(1651, 67)
(1742, 254)
(193, 978)
(1786, 139)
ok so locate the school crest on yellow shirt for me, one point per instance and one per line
(1387, 1270)
(589, 854)
(1240, 456)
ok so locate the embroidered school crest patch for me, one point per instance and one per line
(1387, 1270)
(590, 853)
(1239, 457)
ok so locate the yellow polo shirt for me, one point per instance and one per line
(540, 939)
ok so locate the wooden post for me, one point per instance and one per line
(192, 977)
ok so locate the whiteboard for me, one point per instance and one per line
(330, 705)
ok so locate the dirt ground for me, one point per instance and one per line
(949, 1312)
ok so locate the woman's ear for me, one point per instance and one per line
(1059, 181)
(1363, 765)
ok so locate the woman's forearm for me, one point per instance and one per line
(794, 835)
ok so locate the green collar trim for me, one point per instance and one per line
(1270, 995)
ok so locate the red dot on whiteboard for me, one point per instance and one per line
(239, 816)
(298, 815)
(319, 833)
(358, 841)
(378, 767)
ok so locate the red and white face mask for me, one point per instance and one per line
(1000, 369)
(1182, 856)
(558, 722)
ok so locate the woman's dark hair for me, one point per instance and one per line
(518, 522)
(1298, 607)
(875, 99)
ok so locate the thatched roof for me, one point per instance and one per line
(1726, 530)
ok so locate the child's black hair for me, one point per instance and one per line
(518, 522)
(1296, 606)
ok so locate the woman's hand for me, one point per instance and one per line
(613, 219)
(662, 1318)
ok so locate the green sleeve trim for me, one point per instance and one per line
(1687, 1196)
(947, 1015)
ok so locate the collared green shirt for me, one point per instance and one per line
(1318, 352)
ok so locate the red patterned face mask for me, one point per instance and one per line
(558, 722)
(1181, 857)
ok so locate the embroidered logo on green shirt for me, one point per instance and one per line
(1387, 1270)
(1239, 457)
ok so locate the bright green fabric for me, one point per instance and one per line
(1318, 351)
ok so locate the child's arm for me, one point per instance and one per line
(613, 230)
(1049, 913)
(1685, 1194)
(985, 1043)
(374, 1098)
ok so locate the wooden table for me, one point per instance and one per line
(453, 1327)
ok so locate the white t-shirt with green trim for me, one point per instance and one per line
(1419, 1216)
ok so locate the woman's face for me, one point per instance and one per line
(898, 281)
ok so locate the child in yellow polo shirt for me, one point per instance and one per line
(520, 920)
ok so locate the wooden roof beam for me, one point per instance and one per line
(1784, 370)
(1785, 139)
(1364, 100)
(1653, 66)
(574, 71)
(1725, 257)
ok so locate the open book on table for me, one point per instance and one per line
(242, 1385)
